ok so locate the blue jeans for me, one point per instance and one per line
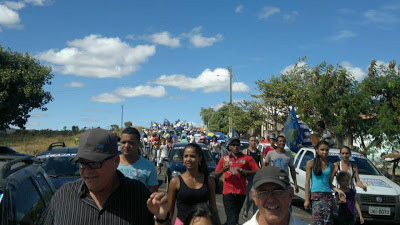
(249, 199)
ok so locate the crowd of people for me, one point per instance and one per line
(123, 188)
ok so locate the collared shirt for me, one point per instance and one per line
(292, 220)
(73, 205)
(234, 182)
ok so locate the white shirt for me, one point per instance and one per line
(292, 221)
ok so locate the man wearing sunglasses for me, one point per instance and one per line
(104, 195)
(272, 194)
(235, 167)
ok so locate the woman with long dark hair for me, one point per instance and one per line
(319, 171)
(192, 187)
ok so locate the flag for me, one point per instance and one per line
(154, 124)
(292, 131)
(235, 134)
(166, 122)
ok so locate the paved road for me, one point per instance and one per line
(297, 206)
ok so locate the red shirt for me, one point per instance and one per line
(234, 182)
(268, 149)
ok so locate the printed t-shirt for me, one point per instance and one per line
(142, 170)
(234, 182)
(283, 160)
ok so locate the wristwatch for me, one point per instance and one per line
(161, 220)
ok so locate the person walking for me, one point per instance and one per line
(192, 187)
(215, 147)
(271, 147)
(103, 195)
(282, 158)
(318, 171)
(345, 165)
(235, 167)
(256, 155)
(346, 211)
(132, 165)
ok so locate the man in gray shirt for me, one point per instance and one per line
(282, 158)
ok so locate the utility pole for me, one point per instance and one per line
(122, 115)
(230, 99)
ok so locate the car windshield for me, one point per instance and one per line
(177, 155)
(59, 166)
(365, 167)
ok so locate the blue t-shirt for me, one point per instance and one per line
(321, 183)
(142, 170)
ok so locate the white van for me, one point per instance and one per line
(381, 202)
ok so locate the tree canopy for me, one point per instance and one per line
(330, 93)
(22, 79)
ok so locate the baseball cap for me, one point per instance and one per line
(271, 174)
(96, 145)
(233, 139)
(272, 137)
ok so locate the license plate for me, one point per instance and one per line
(373, 210)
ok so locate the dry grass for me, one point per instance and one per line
(34, 143)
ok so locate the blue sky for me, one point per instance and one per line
(167, 59)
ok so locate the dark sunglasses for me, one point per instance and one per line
(92, 165)
(235, 145)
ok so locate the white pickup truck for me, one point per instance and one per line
(381, 202)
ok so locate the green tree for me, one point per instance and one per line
(128, 124)
(75, 129)
(382, 88)
(21, 87)
(206, 114)
(114, 127)
(241, 120)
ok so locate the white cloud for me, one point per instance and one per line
(209, 81)
(98, 57)
(8, 17)
(291, 67)
(239, 9)
(380, 16)
(199, 41)
(141, 90)
(39, 115)
(164, 38)
(130, 36)
(219, 105)
(268, 11)
(291, 16)
(37, 2)
(74, 84)
(32, 124)
(107, 98)
(343, 34)
(119, 94)
(14, 5)
(357, 72)
(88, 120)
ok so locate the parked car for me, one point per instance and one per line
(25, 190)
(174, 162)
(244, 143)
(381, 202)
(6, 150)
(56, 162)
